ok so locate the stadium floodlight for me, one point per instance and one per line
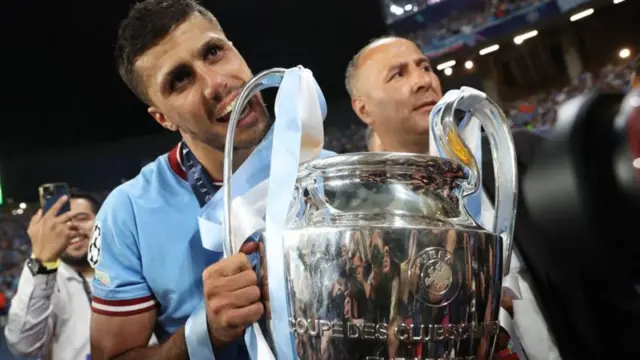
(581, 15)
(446, 65)
(489, 49)
(522, 37)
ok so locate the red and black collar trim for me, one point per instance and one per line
(175, 162)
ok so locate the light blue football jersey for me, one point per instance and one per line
(146, 248)
(147, 253)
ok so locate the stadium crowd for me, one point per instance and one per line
(472, 18)
(14, 249)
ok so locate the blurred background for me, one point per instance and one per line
(68, 117)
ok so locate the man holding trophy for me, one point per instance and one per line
(152, 273)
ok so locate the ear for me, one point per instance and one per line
(158, 116)
(360, 108)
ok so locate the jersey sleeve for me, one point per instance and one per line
(119, 287)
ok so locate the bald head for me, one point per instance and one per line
(351, 76)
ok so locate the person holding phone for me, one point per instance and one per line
(50, 313)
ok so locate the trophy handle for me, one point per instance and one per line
(449, 141)
(266, 79)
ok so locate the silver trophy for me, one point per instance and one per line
(384, 261)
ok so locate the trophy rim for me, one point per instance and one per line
(383, 159)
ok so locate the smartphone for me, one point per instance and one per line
(50, 193)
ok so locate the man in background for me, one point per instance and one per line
(50, 313)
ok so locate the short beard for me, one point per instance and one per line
(75, 261)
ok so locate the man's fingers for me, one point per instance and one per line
(244, 316)
(226, 284)
(37, 216)
(234, 300)
(232, 265)
(66, 217)
(53, 211)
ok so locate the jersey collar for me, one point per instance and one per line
(175, 162)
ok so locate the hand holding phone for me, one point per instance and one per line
(50, 234)
(50, 193)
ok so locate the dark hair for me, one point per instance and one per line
(636, 65)
(76, 193)
(147, 24)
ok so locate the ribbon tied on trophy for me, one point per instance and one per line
(262, 192)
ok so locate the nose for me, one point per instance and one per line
(420, 80)
(214, 83)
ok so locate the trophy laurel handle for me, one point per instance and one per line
(266, 79)
(449, 141)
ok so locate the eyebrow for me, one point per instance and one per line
(396, 67)
(83, 213)
(419, 61)
(423, 61)
(182, 66)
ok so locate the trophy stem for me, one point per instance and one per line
(266, 79)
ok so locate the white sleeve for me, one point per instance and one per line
(31, 320)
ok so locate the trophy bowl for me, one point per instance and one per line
(383, 262)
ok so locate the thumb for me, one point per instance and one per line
(249, 247)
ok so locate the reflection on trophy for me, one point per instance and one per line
(383, 260)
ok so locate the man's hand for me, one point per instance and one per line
(232, 296)
(50, 234)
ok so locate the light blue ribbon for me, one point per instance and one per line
(282, 143)
(288, 129)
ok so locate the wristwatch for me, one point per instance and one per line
(37, 267)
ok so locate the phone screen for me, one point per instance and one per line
(50, 193)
